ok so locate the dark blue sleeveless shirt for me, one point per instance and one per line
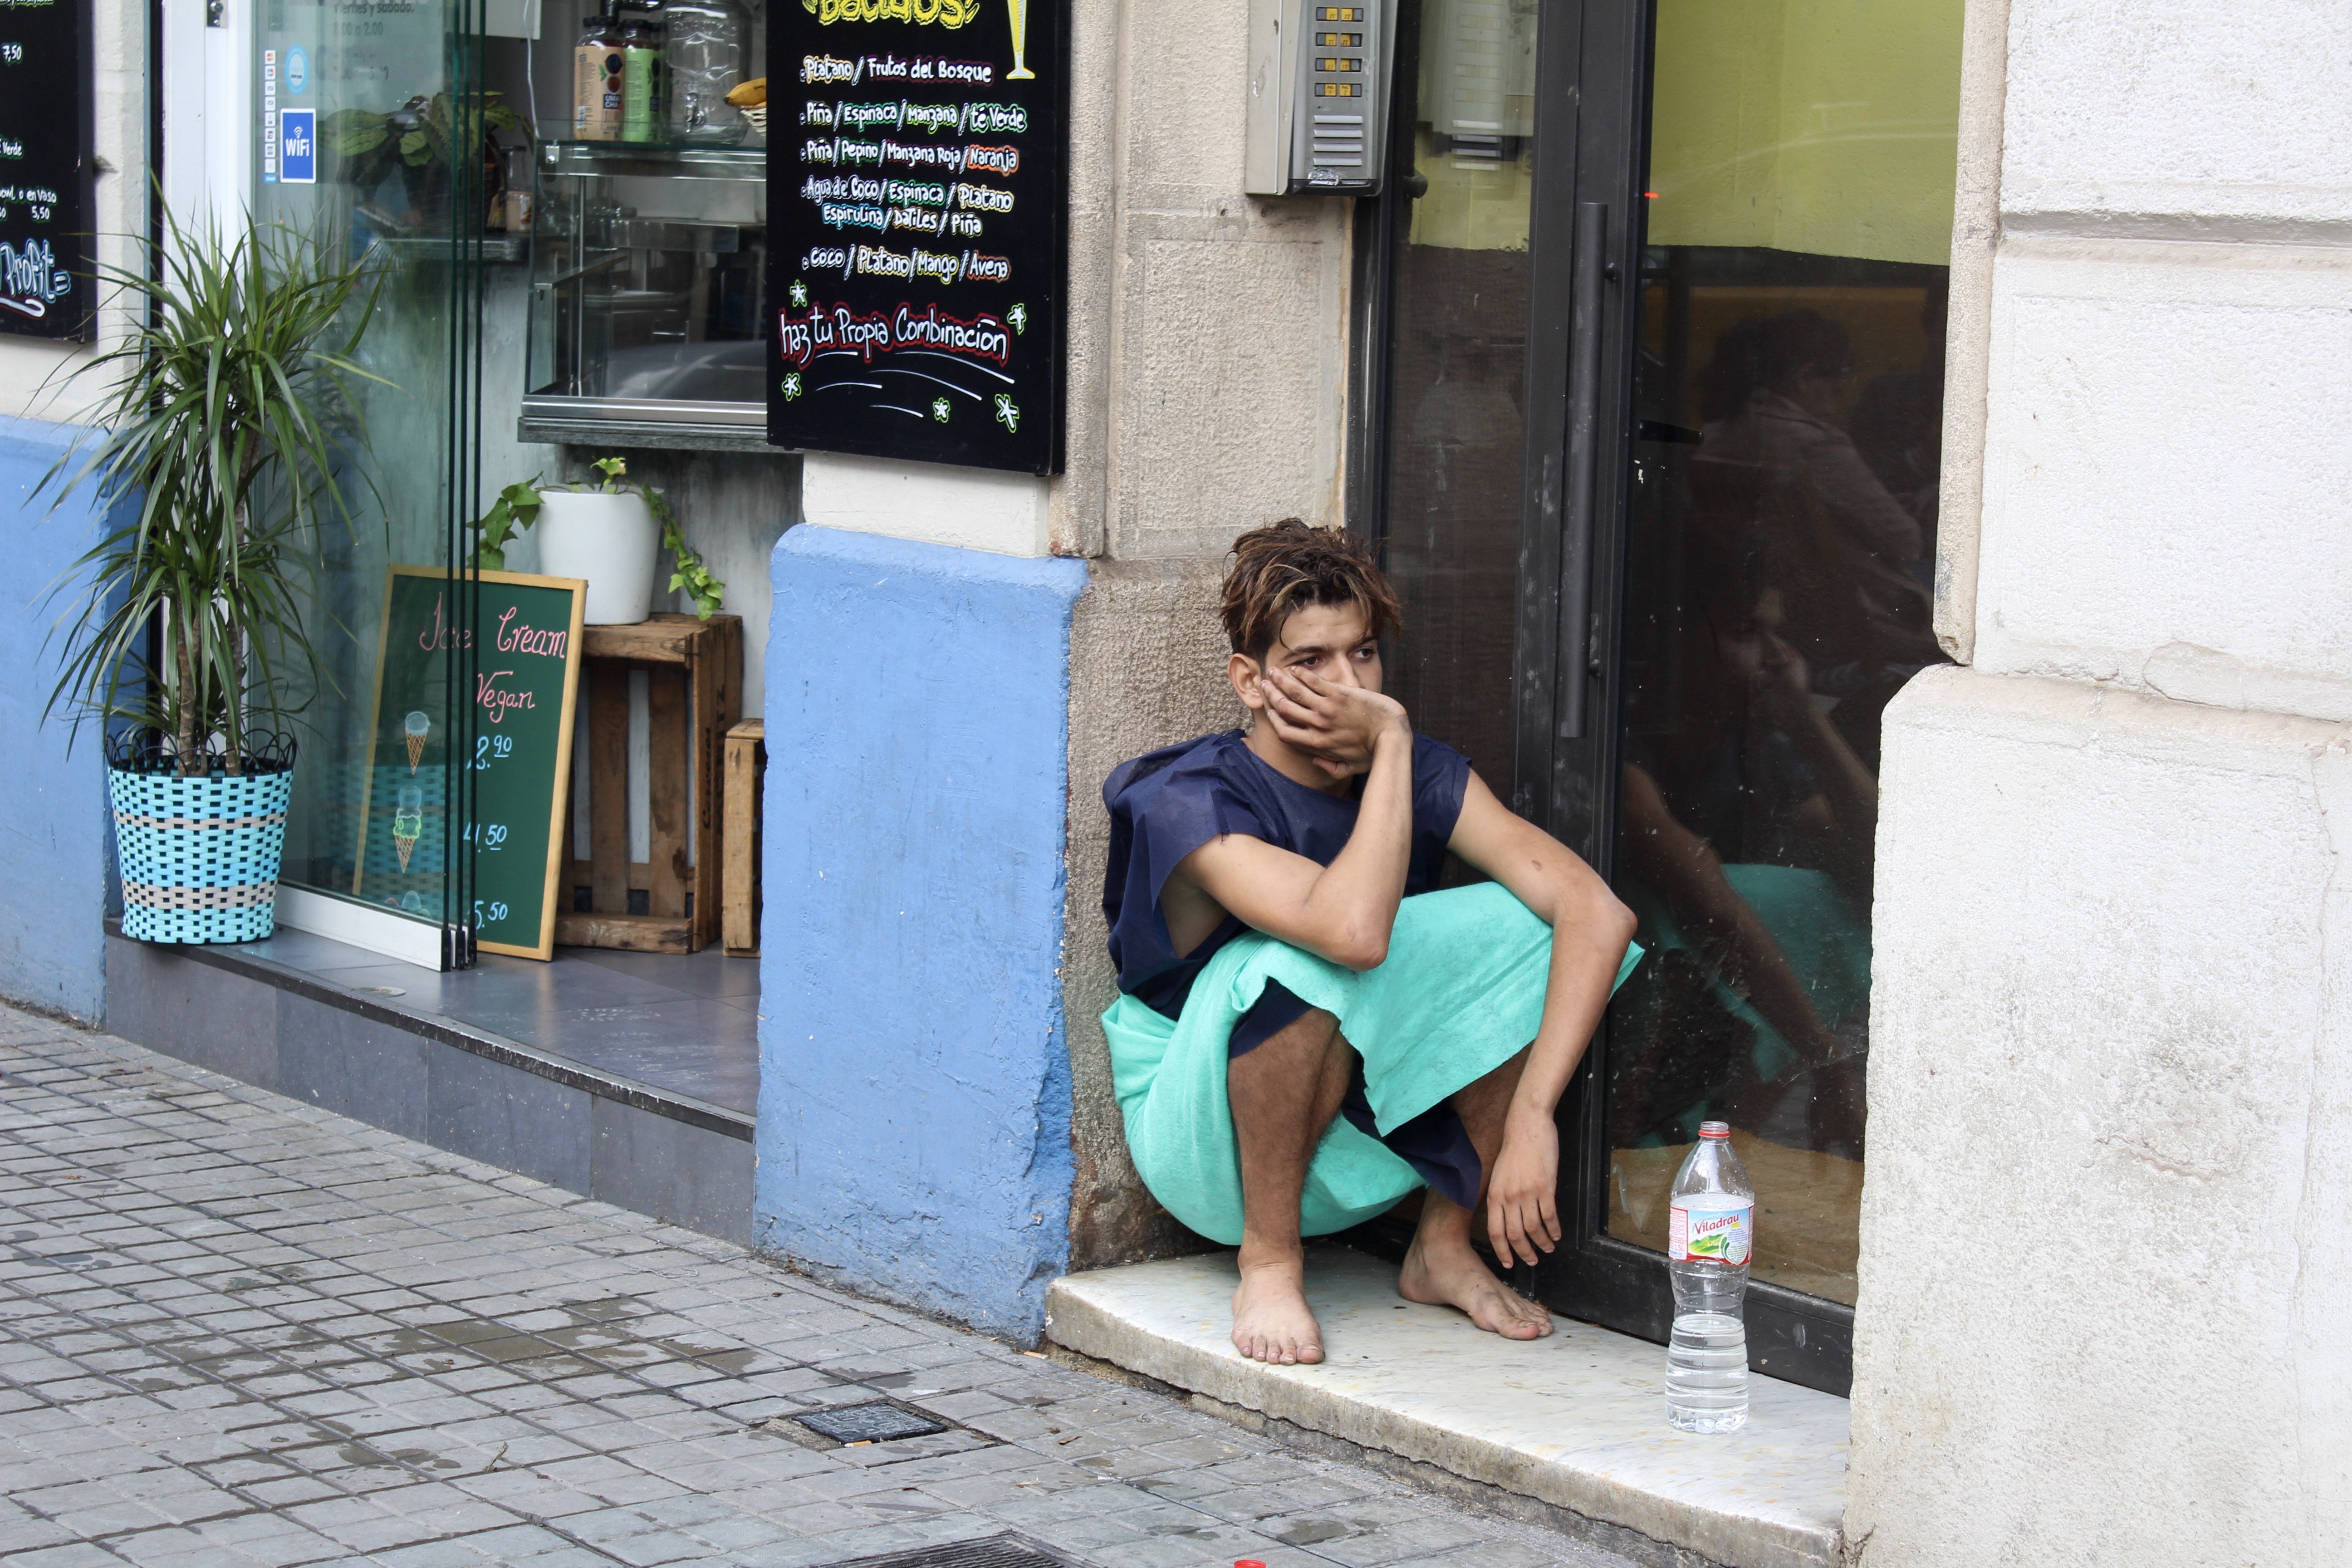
(1168, 802)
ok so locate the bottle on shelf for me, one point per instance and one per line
(703, 55)
(596, 78)
(521, 173)
(643, 73)
(1710, 1232)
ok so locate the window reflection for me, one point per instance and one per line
(1789, 389)
(1459, 352)
(401, 216)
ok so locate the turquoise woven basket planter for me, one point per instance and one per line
(199, 854)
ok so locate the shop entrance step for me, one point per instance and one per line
(1576, 1421)
(394, 1046)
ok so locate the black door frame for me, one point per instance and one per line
(1584, 272)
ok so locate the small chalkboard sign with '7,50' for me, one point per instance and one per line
(520, 657)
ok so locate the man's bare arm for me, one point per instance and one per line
(1682, 868)
(1589, 931)
(1344, 911)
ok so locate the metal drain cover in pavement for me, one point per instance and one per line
(876, 1423)
(995, 1551)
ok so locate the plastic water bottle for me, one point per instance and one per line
(1710, 1232)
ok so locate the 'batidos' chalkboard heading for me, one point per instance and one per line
(917, 212)
(945, 13)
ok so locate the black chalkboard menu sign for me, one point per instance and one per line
(524, 644)
(917, 212)
(47, 166)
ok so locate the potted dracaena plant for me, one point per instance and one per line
(608, 531)
(224, 425)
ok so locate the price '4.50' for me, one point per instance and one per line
(488, 834)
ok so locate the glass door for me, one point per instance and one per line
(1453, 269)
(1789, 375)
(1712, 342)
(375, 138)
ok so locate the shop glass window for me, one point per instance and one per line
(1788, 385)
(649, 240)
(1767, 190)
(354, 84)
(1457, 351)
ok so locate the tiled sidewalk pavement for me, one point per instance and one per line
(237, 1331)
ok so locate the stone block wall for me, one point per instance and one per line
(1146, 670)
(2109, 1069)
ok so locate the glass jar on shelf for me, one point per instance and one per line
(705, 53)
(517, 192)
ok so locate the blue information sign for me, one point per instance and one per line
(298, 146)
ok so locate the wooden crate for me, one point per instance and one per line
(738, 888)
(694, 677)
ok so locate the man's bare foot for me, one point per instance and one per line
(1446, 1272)
(1271, 1320)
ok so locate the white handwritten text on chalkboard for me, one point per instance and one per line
(30, 278)
(827, 328)
(45, 149)
(916, 230)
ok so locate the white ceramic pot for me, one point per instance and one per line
(611, 541)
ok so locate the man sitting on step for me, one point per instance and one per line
(1307, 1031)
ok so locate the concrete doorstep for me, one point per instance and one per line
(1576, 1420)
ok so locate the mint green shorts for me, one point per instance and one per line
(1461, 993)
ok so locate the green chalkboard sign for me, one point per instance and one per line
(523, 655)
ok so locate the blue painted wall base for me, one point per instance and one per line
(914, 1126)
(54, 834)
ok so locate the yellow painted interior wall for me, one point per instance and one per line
(1469, 206)
(1823, 126)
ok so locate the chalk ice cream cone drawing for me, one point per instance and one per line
(408, 821)
(418, 727)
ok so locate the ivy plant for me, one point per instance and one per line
(515, 508)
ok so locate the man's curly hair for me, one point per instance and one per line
(1285, 566)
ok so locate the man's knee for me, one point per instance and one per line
(1314, 1026)
(1305, 1063)
(1285, 1026)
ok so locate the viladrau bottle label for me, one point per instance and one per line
(1708, 1226)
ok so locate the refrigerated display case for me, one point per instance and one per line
(648, 280)
(649, 251)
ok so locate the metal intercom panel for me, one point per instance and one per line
(1319, 80)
